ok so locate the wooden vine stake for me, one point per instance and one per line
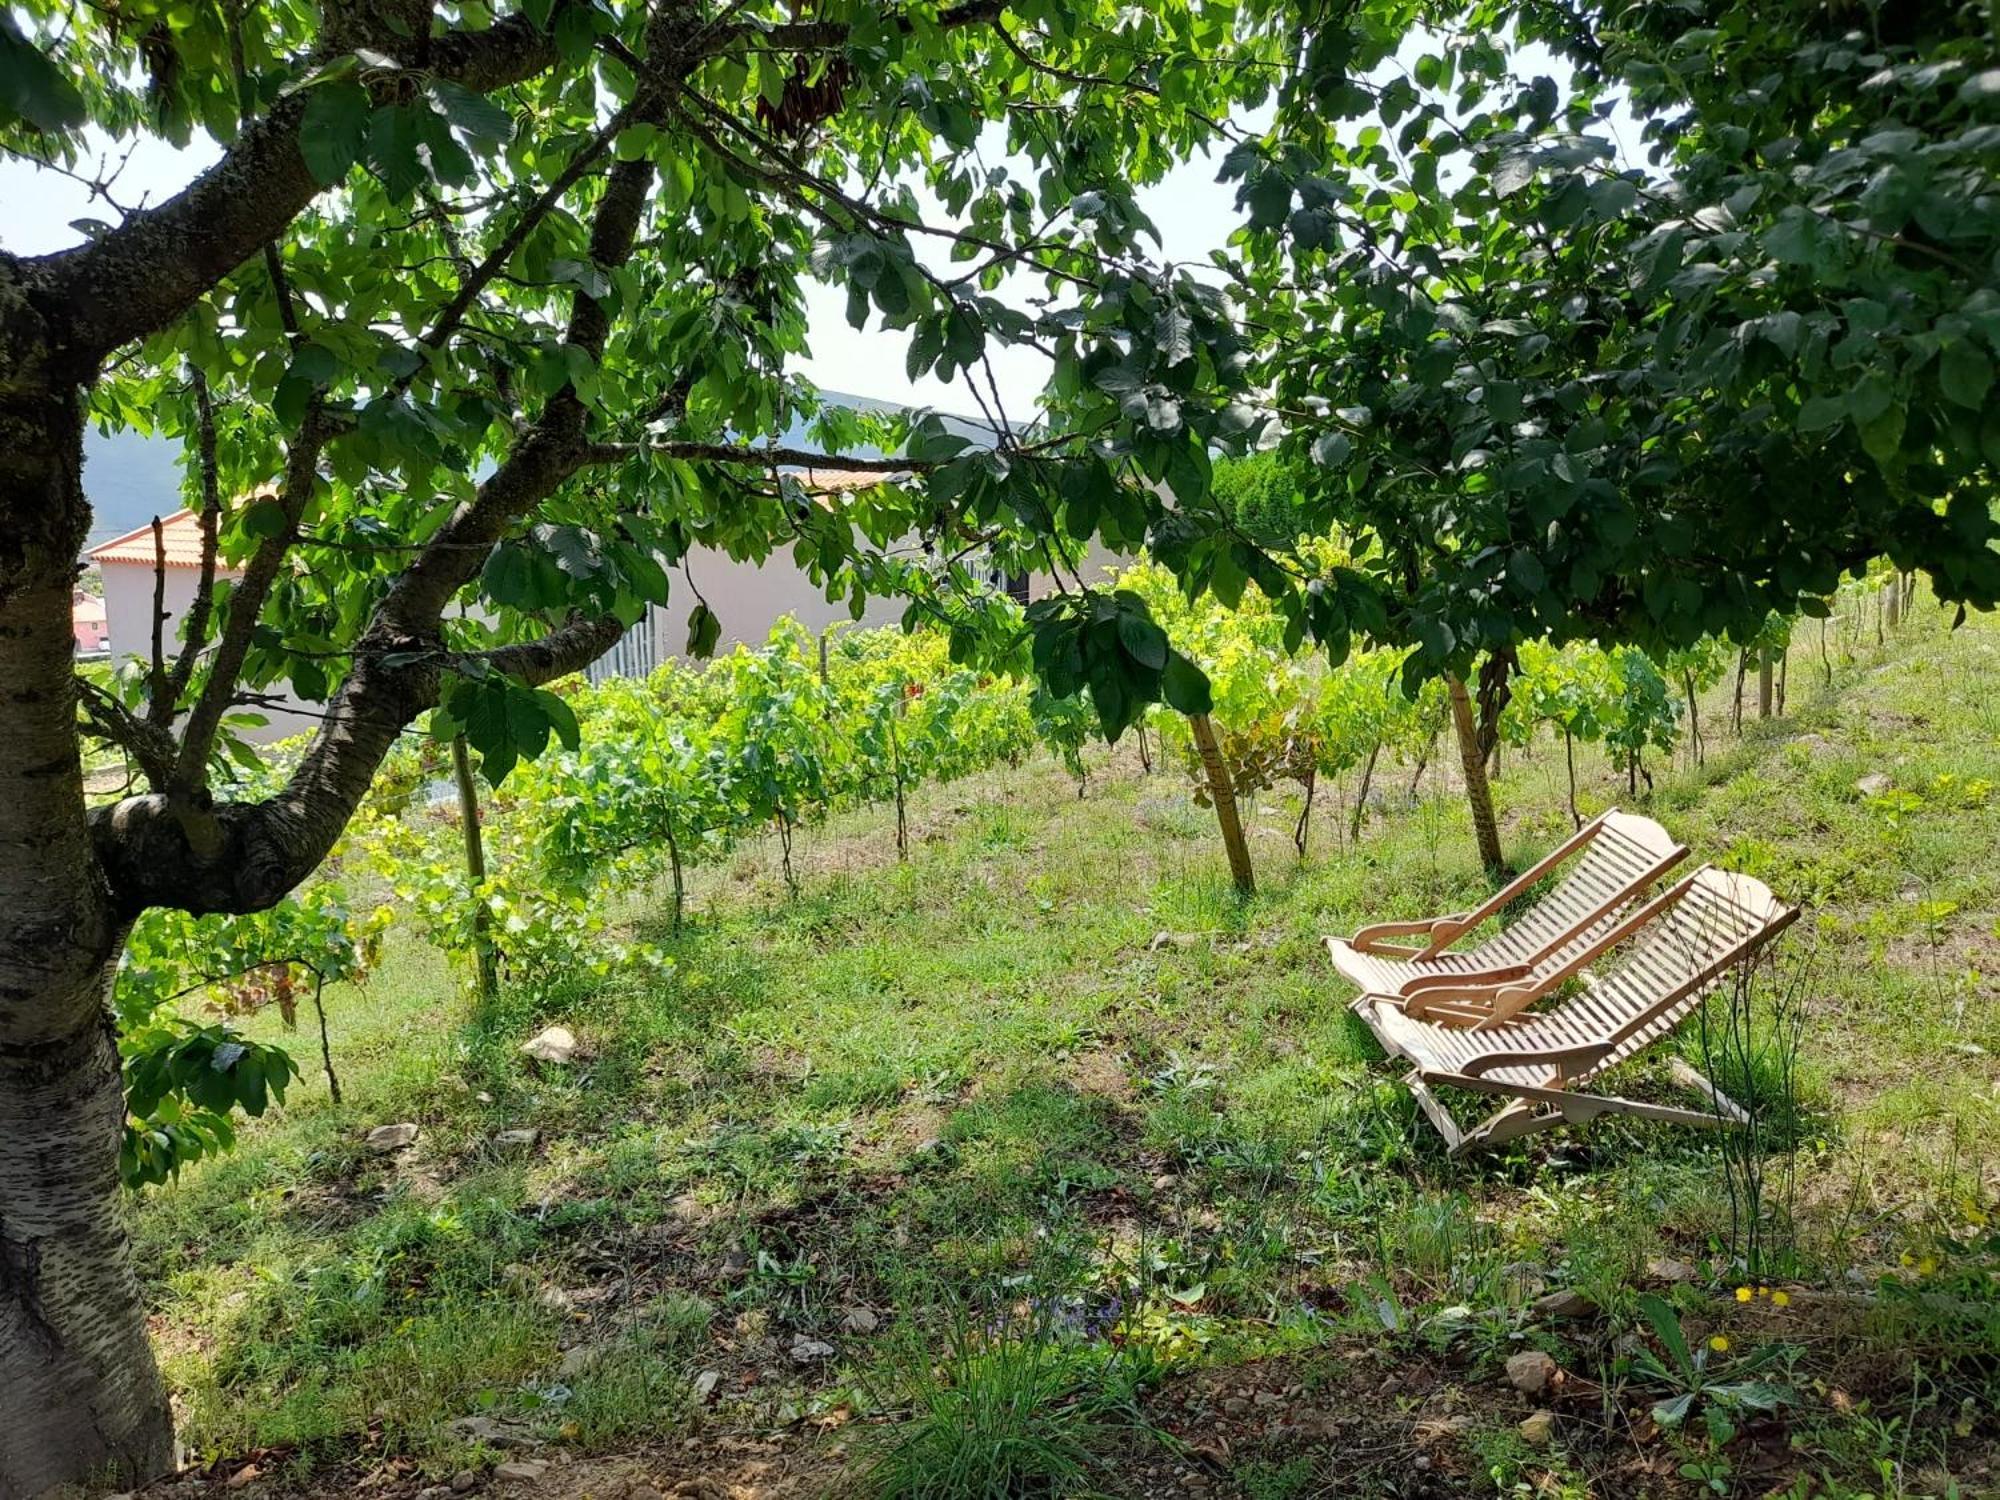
(1222, 792)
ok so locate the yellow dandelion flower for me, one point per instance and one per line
(1763, 1291)
(1781, 1299)
(1927, 1266)
(1743, 1294)
(1719, 1344)
(1907, 1258)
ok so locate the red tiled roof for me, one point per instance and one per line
(180, 541)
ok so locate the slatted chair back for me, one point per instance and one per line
(1624, 855)
(1709, 923)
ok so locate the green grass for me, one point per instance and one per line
(943, 1073)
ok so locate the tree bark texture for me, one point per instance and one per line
(1478, 791)
(79, 1392)
(1222, 792)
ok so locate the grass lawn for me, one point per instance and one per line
(1043, 1150)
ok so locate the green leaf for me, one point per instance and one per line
(704, 630)
(32, 88)
(333, 132)
(263, 518)
(1673, 1411)
(1185, 686)
(1331, 449)
(1965, 374)
(394, 134)
(561, 717)
(1821, 412)
(475, 116)
(1142, 639)
(1667, 1328)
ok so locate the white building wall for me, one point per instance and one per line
(128, 618)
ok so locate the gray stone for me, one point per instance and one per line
(1874, 784)
(493, 1433)
(1531, 1372)
(705, 1384)
(807, 1351)
(517, 1140)
(526, 1470)
(859, 1320)
(1566, 1302)
(556, 1046)
(387, 1138)
(464, 1481)
(1537, 1428)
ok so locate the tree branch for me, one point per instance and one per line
(165, 704)
(160, 261)
(150, 745)
(246, 603)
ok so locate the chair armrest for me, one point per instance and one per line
(1492, 1002)
(1439, 930)
(1478, 978)
(1558, 1058)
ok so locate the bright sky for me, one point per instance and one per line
(1193, 212)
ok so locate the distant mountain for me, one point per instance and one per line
(130, 478)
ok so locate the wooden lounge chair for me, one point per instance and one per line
(1692, 937)
(1618, 856)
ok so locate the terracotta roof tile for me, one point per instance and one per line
(180, 538)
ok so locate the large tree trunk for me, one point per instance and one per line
(80, 1396)
(1478, 792)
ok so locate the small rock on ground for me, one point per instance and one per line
(387, 1138)
(859, 1320)
(517, 1140)
(1666, 1268)
(556, 1045)
(1537, 1428)
(1874, 784)
(525, 1469)
(1565, 1303)
(1531, 1372)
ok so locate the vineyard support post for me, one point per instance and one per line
(1569, 761)
(1303, 831)
(1222, 792)
(1694, 724)
(1478, 791)
(680, 877)
(487, 960)
(896, 776)
(1361, 799)
(1764, 681)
